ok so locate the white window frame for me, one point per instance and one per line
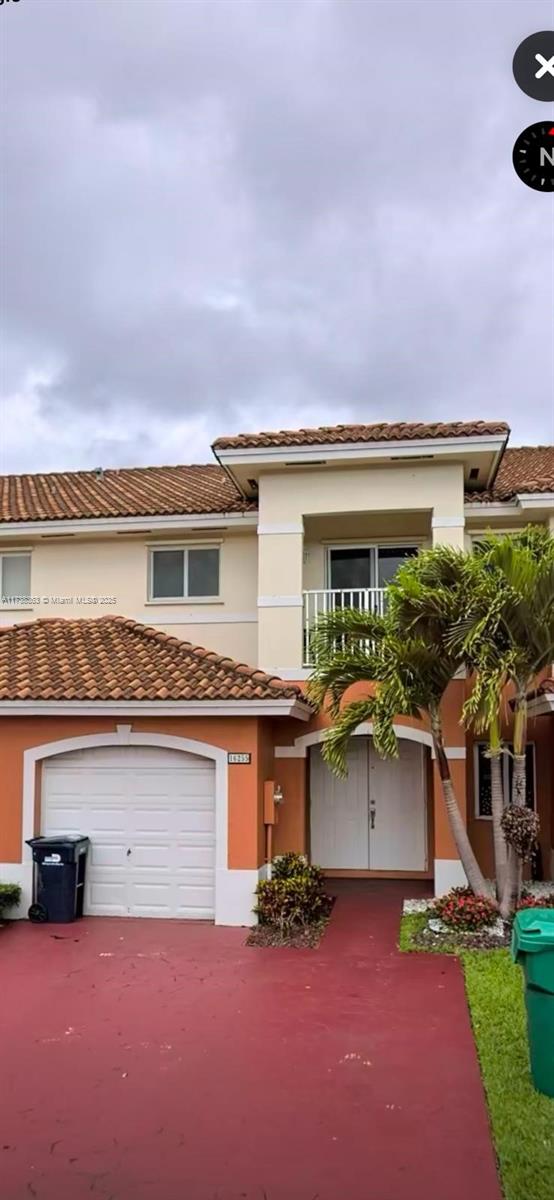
(5, 603)
(184, 547)
(389, 544)
(505, 778)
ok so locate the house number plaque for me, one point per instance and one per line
(234, 756)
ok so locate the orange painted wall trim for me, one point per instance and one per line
(245, 837)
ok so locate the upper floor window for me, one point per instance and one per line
(183, 573)
(15, 577)
(483, 803)
(365, 566)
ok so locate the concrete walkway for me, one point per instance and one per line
(158, 1060)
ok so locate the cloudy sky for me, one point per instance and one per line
(249, 214)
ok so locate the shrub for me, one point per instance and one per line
(289, 865)
(285, 865)
(10, 895)
(293, 901)
(520, 827)
(461, 909)
(529, 901)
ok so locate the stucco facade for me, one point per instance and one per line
(291, 505)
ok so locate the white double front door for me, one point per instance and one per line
(375, 819)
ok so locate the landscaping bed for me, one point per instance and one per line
(522, 1119)
(306, 937)
(443, 926)
(293, 907)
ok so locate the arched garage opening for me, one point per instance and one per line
(155, 808)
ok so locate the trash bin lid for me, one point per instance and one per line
(533, 931)
(58, 839)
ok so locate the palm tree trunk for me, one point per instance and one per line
(514, 873)
(457, 825)
(497, 808)
(519, 779)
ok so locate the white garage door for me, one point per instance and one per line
(150, 816)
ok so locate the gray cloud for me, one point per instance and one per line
(240, 214)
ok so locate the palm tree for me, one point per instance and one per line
(507, 633)
(412, 673)
(492, 612)
(486, 719)
(432, 597)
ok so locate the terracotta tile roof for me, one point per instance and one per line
(523, 469)
(128, 492)
(383, 432)
(114, 658)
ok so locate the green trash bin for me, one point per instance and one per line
(533, 949)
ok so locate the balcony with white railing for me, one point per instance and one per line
(318, 603)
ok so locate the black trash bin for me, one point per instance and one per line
(59, 881)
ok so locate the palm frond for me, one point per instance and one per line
(335, 743)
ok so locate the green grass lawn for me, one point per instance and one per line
(522, 1119)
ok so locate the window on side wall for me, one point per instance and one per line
(483, 804)
(184, 573)
(15, 578)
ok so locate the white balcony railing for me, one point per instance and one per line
(325, 600)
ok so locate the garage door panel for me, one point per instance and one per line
(179, 822)
(159, 805)
(149, 898)
(70, 818)
(107, 898)
(106, 821)
(158, 856)
(63, 820)
(150, 821)
(195, 822)
(107, 853)
(76, 782)
(195, 895)
(170, 781)
(195, 856)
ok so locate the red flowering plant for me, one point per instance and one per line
(461, 909)
(529, 901)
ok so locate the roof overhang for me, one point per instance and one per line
(541, 705)
(187, 522)
(482, 453)
(299, 709)
(535, 500)
(537, 504)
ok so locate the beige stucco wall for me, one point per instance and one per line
(429, 497)
(115, 570)
(300, 513)
(233, 639)
(425, 487)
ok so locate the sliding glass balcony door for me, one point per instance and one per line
(357, 577)
(354, 569)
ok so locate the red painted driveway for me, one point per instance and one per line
(154, 1060)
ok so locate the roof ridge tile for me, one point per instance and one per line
(361, 431)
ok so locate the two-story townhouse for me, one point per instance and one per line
(131, 600)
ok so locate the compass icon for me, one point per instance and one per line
(533, 156)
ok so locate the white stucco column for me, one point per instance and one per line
(448, 530)
(448, 520)
(280, 561)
